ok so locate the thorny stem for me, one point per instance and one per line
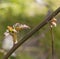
(34, 30)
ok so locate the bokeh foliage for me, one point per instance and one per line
(31, 13)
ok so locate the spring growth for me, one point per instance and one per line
(16, 28)
(19, 26)
(53, 22)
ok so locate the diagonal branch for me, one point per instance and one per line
(34, 30)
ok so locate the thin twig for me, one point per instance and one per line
(34, 30)
(52, 42)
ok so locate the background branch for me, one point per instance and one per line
(34, 30)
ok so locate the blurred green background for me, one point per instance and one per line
(31, 12)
